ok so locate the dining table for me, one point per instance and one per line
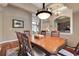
(49, 44)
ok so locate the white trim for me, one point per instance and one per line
(71, 23)
(8, 41)
(65, 33)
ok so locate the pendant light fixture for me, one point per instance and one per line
(44, 13)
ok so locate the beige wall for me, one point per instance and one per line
(74, 38)
(10, 13)
(1, 27)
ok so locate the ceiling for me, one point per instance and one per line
(39, 5)
(73, 6)
(54, 6)
(33, 7)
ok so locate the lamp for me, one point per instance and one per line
(44, 13)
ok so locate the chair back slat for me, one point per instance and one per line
(19, 36)
(77, 47)
(24, 44)
(27, 33)
(55, 33)
(43, 33)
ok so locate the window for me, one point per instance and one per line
(35, 24)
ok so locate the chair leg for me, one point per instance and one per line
(50, 54)
(47, 55)
(61, 54)
(19, 53)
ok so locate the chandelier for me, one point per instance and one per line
(44, 13)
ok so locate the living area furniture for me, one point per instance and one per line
(27, 32)
(50, 45)
(24, 44)
(55, 33)
(43, 32)
(73, 50)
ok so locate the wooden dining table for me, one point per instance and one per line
(50, 45)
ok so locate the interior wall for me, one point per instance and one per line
(44, 24)
(10, 13)
(74, 38)
(1, 26)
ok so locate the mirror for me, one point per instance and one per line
(63, 24)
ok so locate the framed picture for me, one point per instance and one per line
(17, 23)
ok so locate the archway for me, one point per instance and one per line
(63, 24)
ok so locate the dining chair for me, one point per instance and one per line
(19, 36)
(43, 32)
(55, 33)
(26, 46)
(71, 50)
(27, 32)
